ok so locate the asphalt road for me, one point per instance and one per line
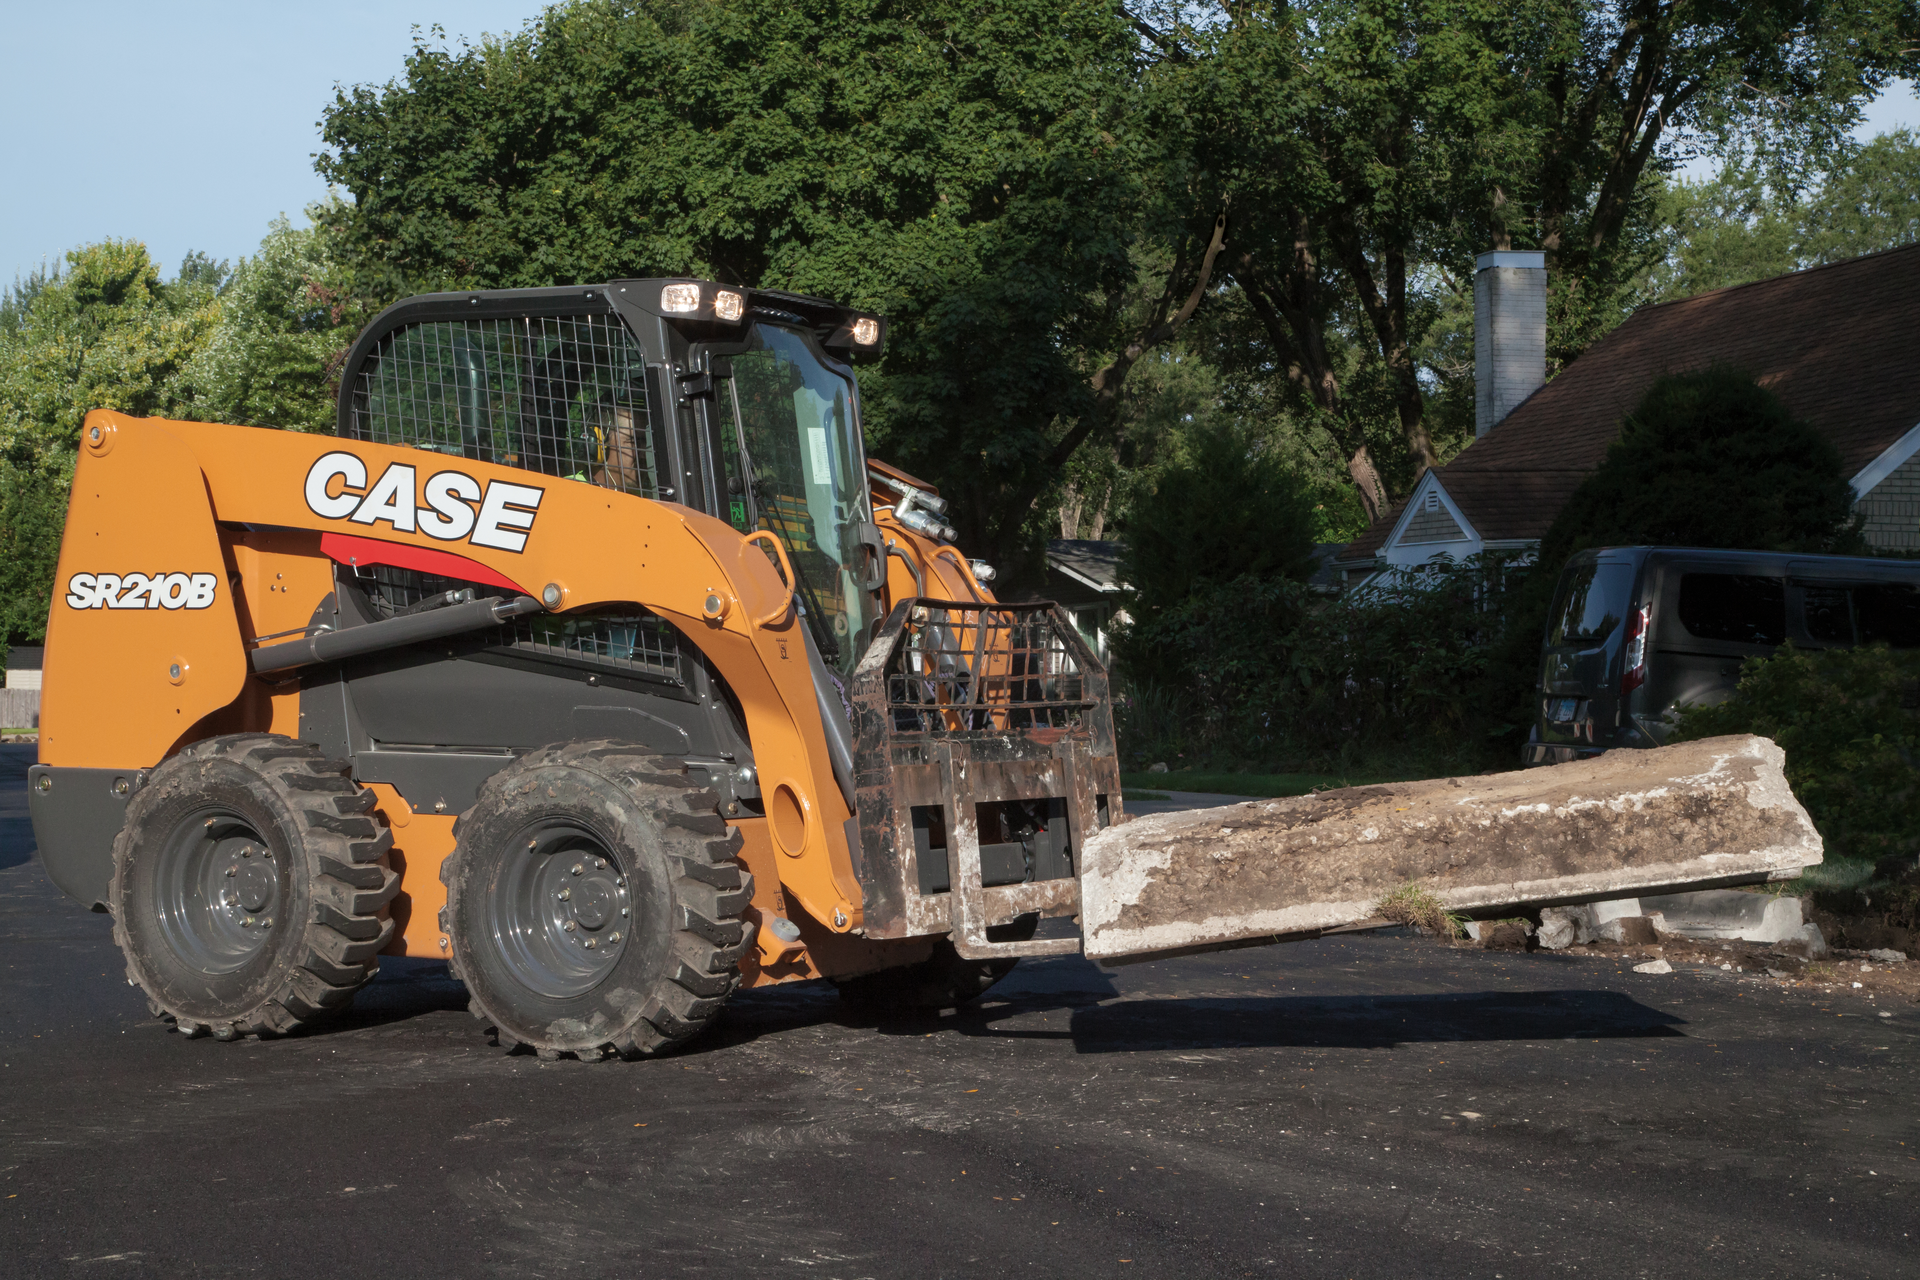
(1367, 1106)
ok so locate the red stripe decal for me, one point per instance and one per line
(345, 549)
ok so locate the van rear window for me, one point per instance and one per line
(1742, 608)
(1593, 600)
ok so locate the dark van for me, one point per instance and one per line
(1636, 633)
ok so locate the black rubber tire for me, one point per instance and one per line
(942, 981)
(328, 885)
(676, 960)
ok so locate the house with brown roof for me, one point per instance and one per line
(1839, 344)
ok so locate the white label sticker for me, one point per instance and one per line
(141, 591)
(817, 455)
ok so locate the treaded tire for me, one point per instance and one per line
(631, 830)
(314, 885)
(944, 980)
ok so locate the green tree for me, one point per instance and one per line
(1710, 459)
(1368, 148)
(104, 332)
(975, 171)
(1219, 513)
(285, 323)
(1741, 225)
(108, 333)
(33, 511)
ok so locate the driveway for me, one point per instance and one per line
(1367, 1105)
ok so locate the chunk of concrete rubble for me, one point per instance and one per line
(1479, 930)
(1587, 922)
(1728, 914)
(1653, 966)
(1713, 812)
(1630, 931)
(1887, 955)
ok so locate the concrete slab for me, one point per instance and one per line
(1629, 822)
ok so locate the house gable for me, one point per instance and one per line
(1431, 524)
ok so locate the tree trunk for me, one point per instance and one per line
(1386, 311)
(1108, 381)
(1287, 315)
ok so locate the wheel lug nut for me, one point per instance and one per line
(623, 911)
(234, 870)
(267, 923)
(613, 937)
(247, 923)
(569, 926)
(590, 944)
(599, 862)
(578, 868)
(565, 894)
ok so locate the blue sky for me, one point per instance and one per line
(190, 124)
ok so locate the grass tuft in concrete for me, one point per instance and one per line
(1415, 905)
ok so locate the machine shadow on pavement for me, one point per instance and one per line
(1364, 1022)
(1101, 1020)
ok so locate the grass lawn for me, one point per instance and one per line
(1248, 784)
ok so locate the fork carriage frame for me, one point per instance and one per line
(964, 704)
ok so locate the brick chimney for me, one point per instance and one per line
(1509, 332)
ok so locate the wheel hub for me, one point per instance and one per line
(219, 890)
(559, 911)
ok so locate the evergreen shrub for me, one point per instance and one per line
(1849, 721)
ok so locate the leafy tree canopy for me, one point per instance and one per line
(973, 171)
(1741, 226)
(107, 333)
(285, 322)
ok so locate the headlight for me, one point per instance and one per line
(728, 306)
(866, 331)
(982, 571)
(680, 297)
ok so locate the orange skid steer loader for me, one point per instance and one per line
(593, 656)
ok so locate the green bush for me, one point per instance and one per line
(1265, 670)
(1223, 512)
(1710, 459)
(1849, 721)
(33, 510)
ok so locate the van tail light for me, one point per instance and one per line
(1633, 668)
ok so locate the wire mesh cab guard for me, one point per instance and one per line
(984, 757)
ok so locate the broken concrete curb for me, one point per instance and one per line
(1716, 811)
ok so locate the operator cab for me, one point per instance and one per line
(738, 403)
